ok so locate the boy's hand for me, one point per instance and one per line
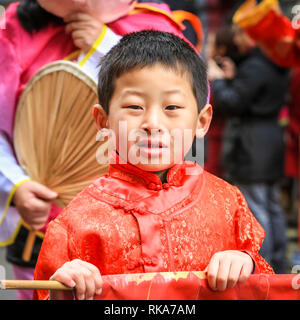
(82, 276)
(226, 268)
(84, 29)
(33, 202)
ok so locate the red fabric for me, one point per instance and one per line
(54, 211)
(192, 286)
(129, 222)
(276, 35)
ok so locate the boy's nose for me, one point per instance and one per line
(152, 121)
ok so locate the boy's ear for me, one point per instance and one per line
(100, 117)
(204, 120)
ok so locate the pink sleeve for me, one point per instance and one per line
(10, 71)
(152, 16)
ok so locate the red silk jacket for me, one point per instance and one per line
(129, 222)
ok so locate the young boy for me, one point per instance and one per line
(155, 215)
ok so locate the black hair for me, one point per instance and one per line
(34, 18)
(225, 37)
(146, 48)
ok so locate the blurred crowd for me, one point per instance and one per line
(254, 138)
(250, 142)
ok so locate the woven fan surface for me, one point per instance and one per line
(55, 133)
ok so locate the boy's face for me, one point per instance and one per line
(155, 112)
(105, 11)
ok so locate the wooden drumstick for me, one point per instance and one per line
(26, 256)
(32, 285)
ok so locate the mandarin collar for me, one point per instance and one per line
(130, 173)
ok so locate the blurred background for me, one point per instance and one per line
(216, 15)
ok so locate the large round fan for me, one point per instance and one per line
(55, 133)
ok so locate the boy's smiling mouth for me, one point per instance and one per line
(151, 147)
(151, 143)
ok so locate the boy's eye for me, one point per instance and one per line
(134, 107)
(172, 107)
